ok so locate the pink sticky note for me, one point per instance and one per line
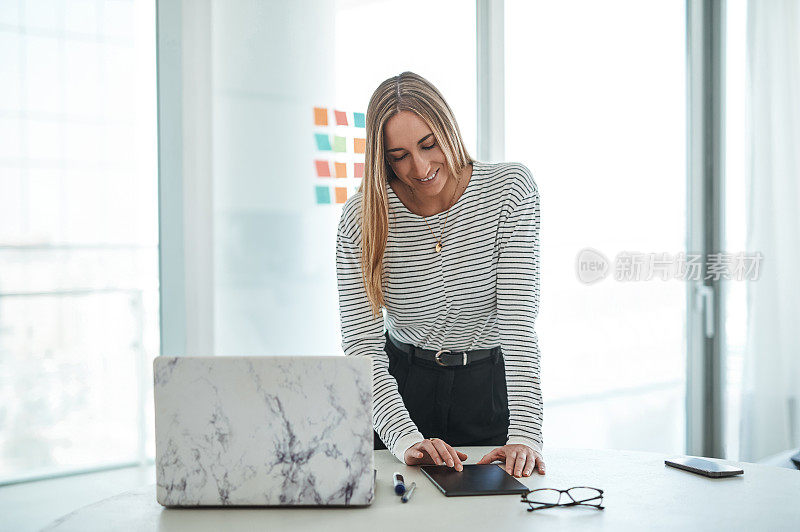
(341, 118)
(323, 168)
(358, 169)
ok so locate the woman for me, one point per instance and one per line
(449, 248)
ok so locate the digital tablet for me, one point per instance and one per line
(476, 479)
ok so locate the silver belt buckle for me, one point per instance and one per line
(440, 353)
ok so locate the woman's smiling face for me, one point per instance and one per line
(415, 155)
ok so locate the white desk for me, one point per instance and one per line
(641, 493)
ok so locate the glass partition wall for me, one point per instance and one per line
(287, 143)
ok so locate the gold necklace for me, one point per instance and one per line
(438, 247)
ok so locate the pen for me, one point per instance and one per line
(410, 492)
(399, 484)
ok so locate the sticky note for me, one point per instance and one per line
(358, 169)
(358, 120)
(341, 194)
(323, 195)
(323, 142)
(323, 168)
(341, 118)
(320, 116)
(339, 144)
(359, 145)
(341, 169)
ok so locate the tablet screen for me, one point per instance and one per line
(476, 479)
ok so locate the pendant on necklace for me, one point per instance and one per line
(438, 247)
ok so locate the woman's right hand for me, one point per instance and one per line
(434, 451)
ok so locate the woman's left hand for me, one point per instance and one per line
(520, 459)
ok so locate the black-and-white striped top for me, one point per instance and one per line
(480, 291)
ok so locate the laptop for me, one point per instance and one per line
(264, 431)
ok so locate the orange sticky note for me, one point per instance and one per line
(341, 194)
(323, 169)
(341, 169)
(359, 145)
(320, 116)
(341, 118)
(358, 169)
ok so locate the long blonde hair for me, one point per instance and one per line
(406, 92)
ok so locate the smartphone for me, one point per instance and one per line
(704, 467)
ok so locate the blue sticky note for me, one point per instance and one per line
(323, 142)
(358, 120)
(323, 195)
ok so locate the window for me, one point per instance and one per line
(735, 299)
(595, 106)
(78, 234)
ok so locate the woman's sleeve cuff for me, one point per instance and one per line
(404, 442)
(536, 446)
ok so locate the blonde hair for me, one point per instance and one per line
(406, 92)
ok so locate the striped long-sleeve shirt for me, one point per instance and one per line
(480, 291)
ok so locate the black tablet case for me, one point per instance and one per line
(483, 479)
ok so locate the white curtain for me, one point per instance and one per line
(771, 381)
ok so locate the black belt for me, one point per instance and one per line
(445, 357)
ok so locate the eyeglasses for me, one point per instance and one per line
(542, 498)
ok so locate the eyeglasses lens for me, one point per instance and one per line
(588, 495)
(544, 496)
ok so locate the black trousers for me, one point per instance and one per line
(462, 405)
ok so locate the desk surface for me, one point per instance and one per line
(640, 493)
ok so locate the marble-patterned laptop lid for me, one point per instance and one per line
(272, 431)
